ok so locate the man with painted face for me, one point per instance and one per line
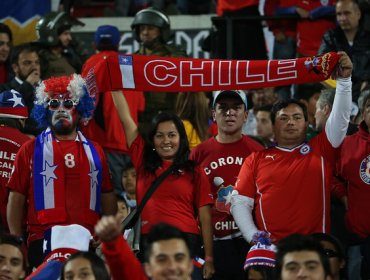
(60, 176)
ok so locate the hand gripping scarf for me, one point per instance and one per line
(49, 185)
(165, 74)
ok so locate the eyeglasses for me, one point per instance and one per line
(331, 253)
(55, 103)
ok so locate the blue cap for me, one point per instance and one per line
(107, 35)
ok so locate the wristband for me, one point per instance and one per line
(208, 259)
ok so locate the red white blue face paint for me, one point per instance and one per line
(63, 116)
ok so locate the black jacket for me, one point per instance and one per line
(334, 40)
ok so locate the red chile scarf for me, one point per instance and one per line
(164, 74)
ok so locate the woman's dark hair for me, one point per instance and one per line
(267, 272)
(6, 29)
(152, 160)
(97, 265)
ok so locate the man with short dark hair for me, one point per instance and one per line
(12, 258)
(264, 125)
(350, 36)
(308, 94)
(301, 257)
(26, 67)
(287, 187)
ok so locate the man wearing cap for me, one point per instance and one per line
(13, 113)
(61, 176)
(221, 157)
(286, 188)
(105, 127)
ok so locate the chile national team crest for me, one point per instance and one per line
(305, 149)
(365, 170)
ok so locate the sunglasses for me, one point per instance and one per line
(55, 103)
(331, 253)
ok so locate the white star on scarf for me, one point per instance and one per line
(228, 198)
(94, 177)
(44, 247)
(48, 172)
(17, 100)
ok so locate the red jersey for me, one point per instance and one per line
(310, 32)
(221, 163)
(112, 136)
(290, 187)
(22, 182)
(175, 200)
(233, 5)
(354, 167)
(288, 27)
(11, 139)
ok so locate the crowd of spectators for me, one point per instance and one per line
(267, 182)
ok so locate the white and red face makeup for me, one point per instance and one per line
(63, 116)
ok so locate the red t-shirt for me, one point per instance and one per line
(354, 167)
(291, 187)
(11, 139)
(310, 32)
(222, 162)
(175, 200)
(22, 182)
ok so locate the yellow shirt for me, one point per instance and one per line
(192, 134)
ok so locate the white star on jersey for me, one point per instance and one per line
(48, 172)
(17, 100)
(94, 177)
